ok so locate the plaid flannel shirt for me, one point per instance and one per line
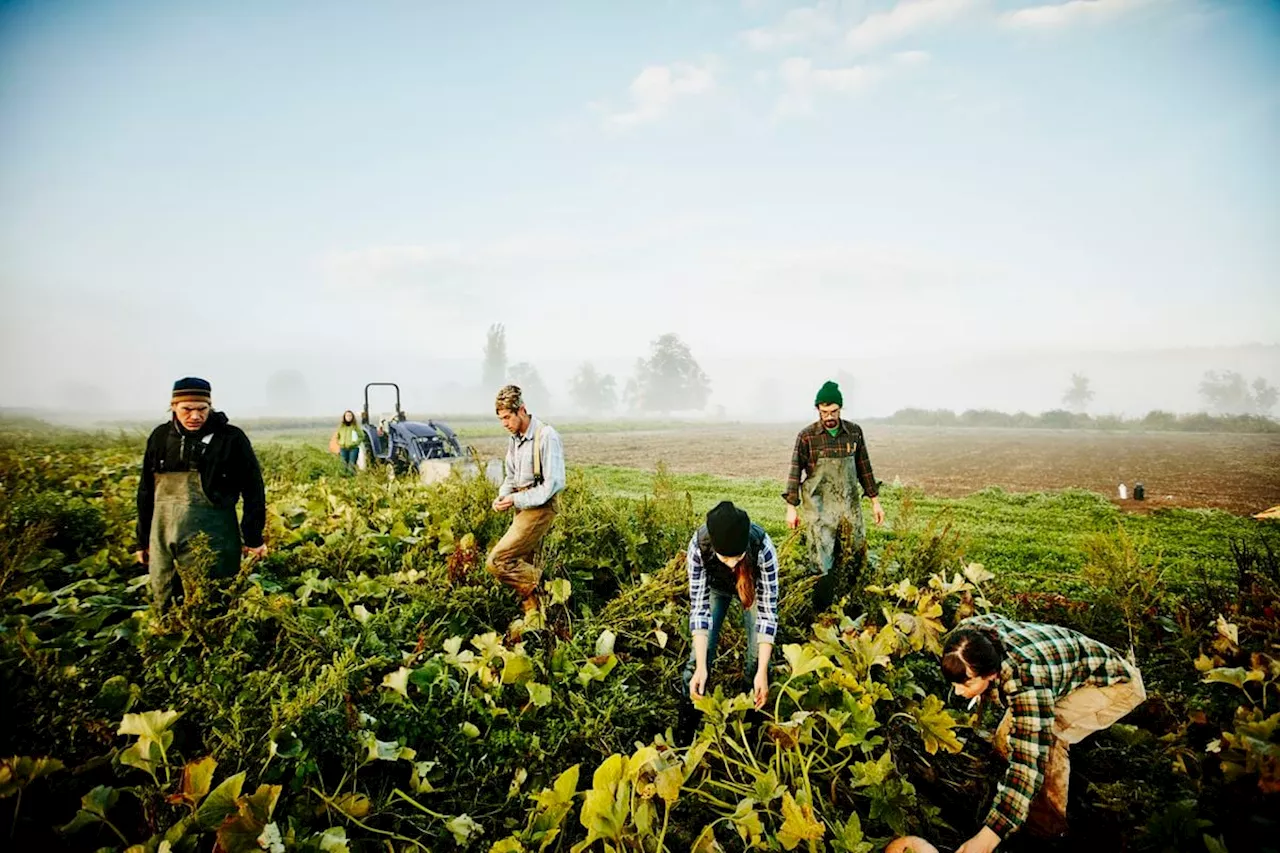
(1043, 663)
(814, 443)
(766, 591)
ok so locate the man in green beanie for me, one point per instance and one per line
(828, 464)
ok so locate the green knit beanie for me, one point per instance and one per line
(829, 393)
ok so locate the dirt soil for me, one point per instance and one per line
(1237, 473)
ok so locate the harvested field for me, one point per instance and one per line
(1237, 473)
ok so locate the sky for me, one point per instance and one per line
(234, 189)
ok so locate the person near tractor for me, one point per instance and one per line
(195, 468)
(731, 558)
(534, 476)
(1059, 686)
(828, 463)
(347, 439)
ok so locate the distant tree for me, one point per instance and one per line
(1078, 393)
(670, 379)
(287, 392)
(534, 389)
(593, 392)
(631, 395)
(495, 357)
(1265, 396)
(1227, 393)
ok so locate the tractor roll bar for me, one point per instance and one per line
(364, 414)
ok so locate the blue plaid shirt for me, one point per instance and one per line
(766, 605)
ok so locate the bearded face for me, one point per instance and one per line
(829, 414)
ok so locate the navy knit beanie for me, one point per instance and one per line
(191, 389)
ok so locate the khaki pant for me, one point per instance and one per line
(511, 560)
(1077, 715)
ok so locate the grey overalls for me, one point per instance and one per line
(182, 512)
(828, 495)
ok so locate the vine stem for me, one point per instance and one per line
(329, 802)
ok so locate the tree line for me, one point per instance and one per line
(669, 380)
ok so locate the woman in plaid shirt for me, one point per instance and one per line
(1060, 686)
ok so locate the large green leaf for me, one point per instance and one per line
(221, 802)
(803, 659)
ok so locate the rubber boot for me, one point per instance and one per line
(824, 592)
(688, 719)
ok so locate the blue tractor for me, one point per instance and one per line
(430, 449)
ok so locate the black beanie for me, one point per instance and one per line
(729, 528)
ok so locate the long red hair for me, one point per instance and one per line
(746, 580)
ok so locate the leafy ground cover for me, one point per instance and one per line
(369, 687)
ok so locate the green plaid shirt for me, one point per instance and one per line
(1043, 663)
(814, 443)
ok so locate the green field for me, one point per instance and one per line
(369, 687)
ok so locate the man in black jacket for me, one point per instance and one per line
(195, 468)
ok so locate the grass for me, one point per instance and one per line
(1033, 541)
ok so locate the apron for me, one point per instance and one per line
(182, 512)
(827, 496)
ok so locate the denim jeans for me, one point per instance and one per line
(719, 609)
(350, 455)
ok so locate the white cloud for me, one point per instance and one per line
(1067, 14)
(912, 57)
(804, 81)
(904, 19)
(656, 87)
(807, 23)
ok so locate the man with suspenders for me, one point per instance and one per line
(534, 476)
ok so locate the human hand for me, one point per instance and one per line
(877, 512)
(793, 517)
(984, 842)
(258, 552)
(503, 504)
(141, 556)
(698, 684)
(760, 690)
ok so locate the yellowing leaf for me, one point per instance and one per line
(333, 840)
(462, 828)
(936, 726)
(747, 821)
(560, 590)
(798, 823)
(1228, 631)
(398, 680)
(517, 669)
(197, 778)
(539, 694)
(353, 805)
(976, 574)
(150, 727)
(668, 783)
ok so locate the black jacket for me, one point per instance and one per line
(228, 471)
(720, 577)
